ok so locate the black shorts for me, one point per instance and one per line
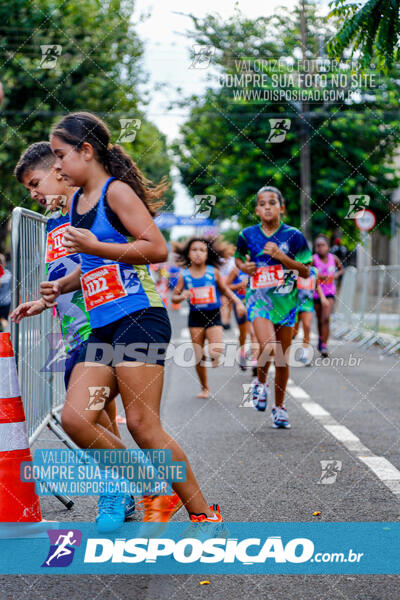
(204, 318)
(141, 336)
(73, 357)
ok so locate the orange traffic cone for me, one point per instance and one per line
(18, 500)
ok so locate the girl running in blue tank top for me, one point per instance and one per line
(113, 230)
(201, 284)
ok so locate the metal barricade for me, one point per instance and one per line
(28, 240)
(42, 390)
(375, 308)
(343, 315)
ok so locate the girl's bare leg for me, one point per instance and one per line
(265, 334)
(140, 387)
(215, 343)
(79, 418)
(198, 338)
(284, 336)
(306, 319)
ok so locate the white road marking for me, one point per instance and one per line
(315, 409)
(341, 433)
(381, 467)
(297, 392)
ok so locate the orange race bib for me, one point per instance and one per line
(306, 284)
(54, 247)
(266, 277)
(327, 281)
(205, 294)
(102, 285)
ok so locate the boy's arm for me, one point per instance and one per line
(295, 265)
(50, 290)
(242, 258)
(275, 252)
(28, 309)
(247, 267)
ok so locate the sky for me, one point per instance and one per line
(167, 60)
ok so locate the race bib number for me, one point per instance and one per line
(267, 277)
(289, 281)
(203, 295)
(54, 247)
(102, 285)
(306, 284)
(326, 281)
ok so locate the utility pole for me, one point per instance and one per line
(305, 132)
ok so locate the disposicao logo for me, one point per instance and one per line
(190, 550)
(62, 547)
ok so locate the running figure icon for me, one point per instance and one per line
(62, 550)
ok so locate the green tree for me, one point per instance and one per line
(373, 28)
(224, 150)
(98, 69)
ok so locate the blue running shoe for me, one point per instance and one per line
(111, 513)
(130, 506)
(280, 418)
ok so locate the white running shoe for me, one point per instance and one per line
(280, 418)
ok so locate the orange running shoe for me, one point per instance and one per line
(202, 517)
(160, 508)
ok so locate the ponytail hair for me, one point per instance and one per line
(79, 127)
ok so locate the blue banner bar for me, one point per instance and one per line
(195, 548)
(168, 220)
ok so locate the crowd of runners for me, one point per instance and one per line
(101, 241)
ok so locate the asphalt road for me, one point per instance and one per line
(347, 411)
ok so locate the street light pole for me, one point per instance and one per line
(305, 160)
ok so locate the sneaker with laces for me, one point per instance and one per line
(202, 517)
(259, 395)
(202, 527)
(242, 361)
(324, 351)
(111, 513)
(160, 508)
(280, 418)
(303, 358)
(130, 506)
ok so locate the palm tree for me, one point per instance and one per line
(373, 28)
